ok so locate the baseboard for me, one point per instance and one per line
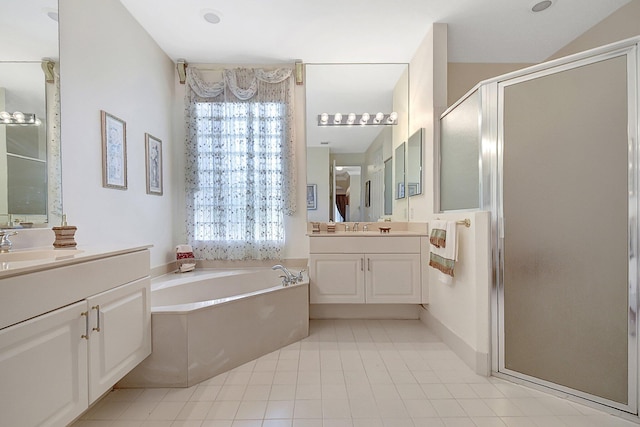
(479, 362)
(364, 311)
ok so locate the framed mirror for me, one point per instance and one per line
(414, 163)
(399, 163)
(30, 183)
(367, 148)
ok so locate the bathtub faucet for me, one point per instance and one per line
(289, 277)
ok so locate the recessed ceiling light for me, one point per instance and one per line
(539, 7)
(211, 16)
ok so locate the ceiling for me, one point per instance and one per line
(259, 31)
(361, 32)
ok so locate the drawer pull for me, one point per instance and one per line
(86, 325)
(368, 264)
(97, 309)
(361, 264)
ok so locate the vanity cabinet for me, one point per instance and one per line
(43, 366)
(119, 334)
(372, 269)
(54, 365)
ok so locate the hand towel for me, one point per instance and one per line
(438, 236)
(184, 248)
(184, 252)
(443, 258)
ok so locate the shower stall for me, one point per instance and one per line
(552, 152)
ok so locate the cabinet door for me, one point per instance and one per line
(120, 334)
(43, 369)
(336, 278)
(393, 278)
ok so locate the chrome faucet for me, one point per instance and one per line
(365, 227)
(355, 226)
(288, 278)
(5, 243)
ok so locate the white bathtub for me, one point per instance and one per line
(209, 321)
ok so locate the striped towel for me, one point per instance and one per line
(444, 257)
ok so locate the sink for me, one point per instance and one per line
(39, 254)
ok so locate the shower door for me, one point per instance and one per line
(567, 215)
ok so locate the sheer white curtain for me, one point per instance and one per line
(240, 175)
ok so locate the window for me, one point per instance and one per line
(237, 204)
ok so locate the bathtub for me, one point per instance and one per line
(209, 321)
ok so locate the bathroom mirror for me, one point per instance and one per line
(30, 187)
(399, 175)
(414, 163)
(358, 89)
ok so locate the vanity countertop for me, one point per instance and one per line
(59, 258)
(369, 233)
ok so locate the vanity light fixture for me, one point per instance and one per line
(18, 118)
(363, 119)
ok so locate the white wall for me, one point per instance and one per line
(427, 101)
(108, 62)
(318, 166)
(458, 312)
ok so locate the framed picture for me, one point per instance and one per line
(153, 156)
(114, 151)
(367, 194)
(312, 197)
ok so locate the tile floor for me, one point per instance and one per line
(356, 373)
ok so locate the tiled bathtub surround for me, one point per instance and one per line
(359, 373)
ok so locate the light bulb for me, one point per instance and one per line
(18, 116)
(337, 118)
(38, 122)
(392, 117)
(324, 118)
(5, 116)
(351, 118)
(379, 117)
(364, 119)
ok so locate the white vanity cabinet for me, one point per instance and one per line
(119, 334)
(54, 365)
(365, 269)
(43, 366)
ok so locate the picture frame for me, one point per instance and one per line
(153, 163)
(114, 151)
(367, 194)
(312, 197)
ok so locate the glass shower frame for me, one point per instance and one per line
(492, 155)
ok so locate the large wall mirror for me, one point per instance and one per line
(30, 187)
(350, 166)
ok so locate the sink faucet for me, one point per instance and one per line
(355, 226)
(289, 277)
(365, 227)
(5, 243)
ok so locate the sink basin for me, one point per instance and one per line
(39, 254)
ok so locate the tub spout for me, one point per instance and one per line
(289, 277)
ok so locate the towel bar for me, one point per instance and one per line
(466, 222)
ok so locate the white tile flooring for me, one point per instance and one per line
(356, 373)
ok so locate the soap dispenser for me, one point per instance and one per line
(65, 235)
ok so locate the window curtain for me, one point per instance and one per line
(240, 175)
